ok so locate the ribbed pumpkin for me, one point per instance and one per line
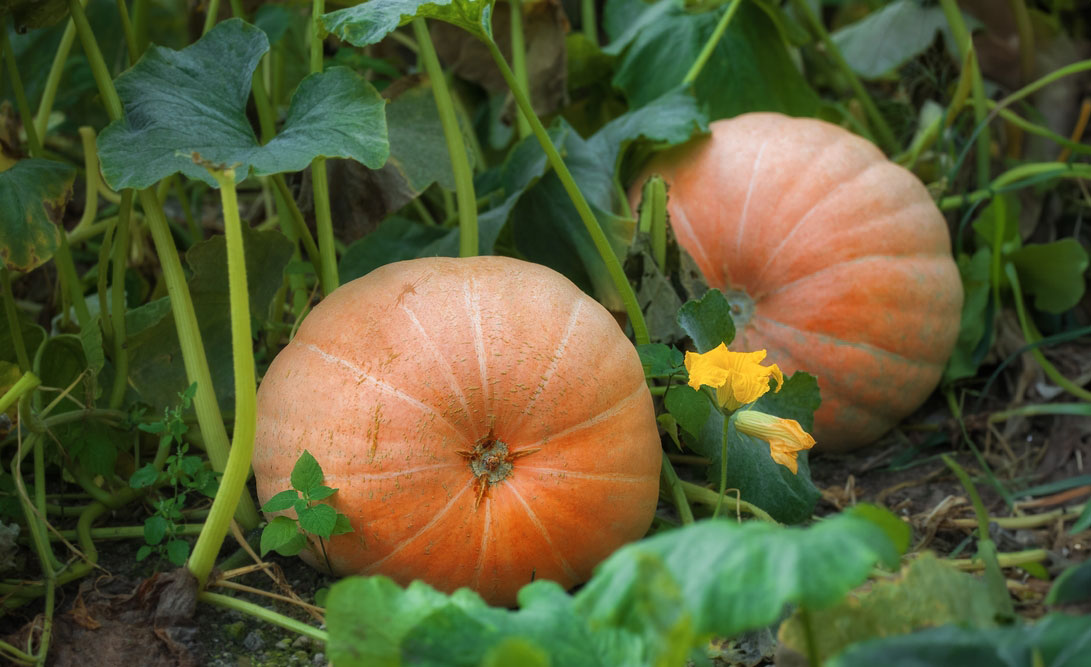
(485, 422)
(835, 259)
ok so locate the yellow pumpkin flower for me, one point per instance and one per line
(738, 377)
(785, 436)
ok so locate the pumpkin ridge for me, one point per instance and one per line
(424, 529)
(609, 413)
(338, 474)
(441, 361)
(600, 477)
(698, 242)
(569, 572)
(799, 223)
(861, 258)
(388, 388)
(853, 344)
(555, 361)
(474, 307)
(746, 202)
(475, 580)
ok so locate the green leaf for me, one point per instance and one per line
(369, 22)
(750, 68)
(928, 593)
(342, 525)
(889, 37)
(92, 444)
(178, 552)
(143, 552)
(33, 336)
(31, 14)
(723, 578)
(788, 497)
(667, 120)
(968, 353)
(91, 339)
(155, 529)
(281, 501)
(690, 408)
(155, 356)
(320, 492)
(144, 477)
(373, 622)
(59, 362)
(516, 651)
(660, 360)
(1054, 641)
(33, 195)
(278, 533)
(318, 520)
(708, 321)
(306, 473)
(1002, 209)
(394, 240)
(1073, 586)
(178, 103)
(1053, 273)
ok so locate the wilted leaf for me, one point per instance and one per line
(708, 321)
(33, 194)
(927, 593)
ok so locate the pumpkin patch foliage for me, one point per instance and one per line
(545, 332)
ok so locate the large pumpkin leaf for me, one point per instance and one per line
(372, 621)
(652, 602)
(889, 37)
(928, 593)
(33, 194)
(750, 68)
(723, 578)
(1053, 273)
(1073, 586)
(155, 355)
(762, 481)
(178, 103)
(1054, 641)
(369, 22)
(708, 321)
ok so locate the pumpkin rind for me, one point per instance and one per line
(396, 373)
(844, 254)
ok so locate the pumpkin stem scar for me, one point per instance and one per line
(491, 463)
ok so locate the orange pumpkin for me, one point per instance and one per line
(486, 424)
(835, 259)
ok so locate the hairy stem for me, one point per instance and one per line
(519, 61)
(456, 148)
(233, 483)
(598, 237)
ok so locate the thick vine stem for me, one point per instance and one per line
(710, 44)
(233, 483)
(456, 147)
(613, 265)
(185, 318)
(33, 140)
(1033, 172)
(117, 299)
(264, 614)
(965, 43)
(669, 479)
(323, 220)
(700, 494)
(519, 60)
(12, 316)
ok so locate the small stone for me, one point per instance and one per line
(254, 642)
(302, 641)
(235, 630)
(283, 644)
(319, 660)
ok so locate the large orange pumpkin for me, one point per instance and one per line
(834, 258)
(485, 422)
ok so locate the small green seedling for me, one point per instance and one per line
(183, 472)
(288, 536)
